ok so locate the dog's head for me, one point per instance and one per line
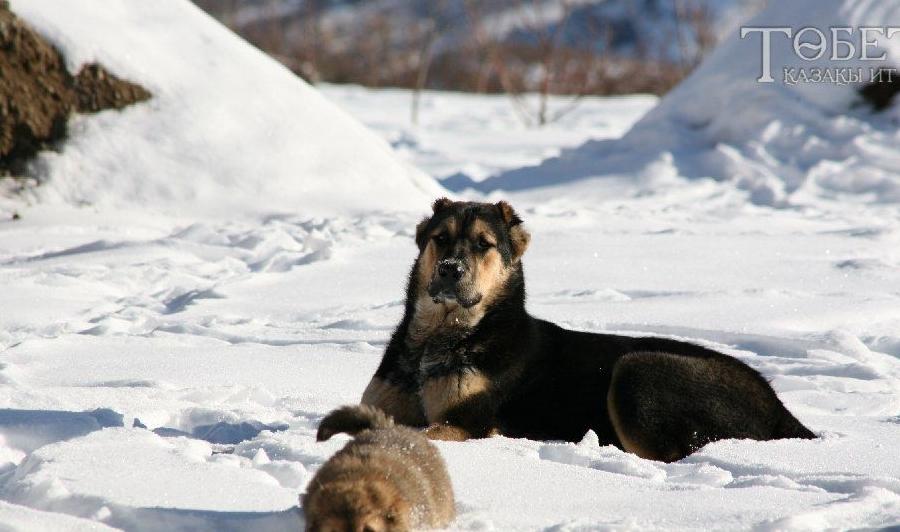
(468, 250)
(357, 505)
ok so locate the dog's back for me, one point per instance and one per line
(388, 478)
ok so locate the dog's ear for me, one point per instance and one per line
(508, 214)
(436, 207)
(441, 204)
(518, 236)
(421, 237)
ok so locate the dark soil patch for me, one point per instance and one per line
(37, 93)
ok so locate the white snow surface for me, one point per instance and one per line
(225, 124)
(490, 139)
(786, 145)
(164, 365)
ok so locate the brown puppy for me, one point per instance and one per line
(389, 478)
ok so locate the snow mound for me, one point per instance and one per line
(786, 144)
(14, 518)
(226, 124)
(104, 476)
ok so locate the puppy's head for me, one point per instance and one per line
(358, 505)
(467, 251)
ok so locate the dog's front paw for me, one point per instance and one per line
(445, 432)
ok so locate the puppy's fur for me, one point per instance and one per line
(468, 361)
(389, 478)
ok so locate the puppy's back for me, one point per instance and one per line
(402, 455)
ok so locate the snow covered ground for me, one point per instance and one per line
(797, 144)
(163, 366)
(225, 123)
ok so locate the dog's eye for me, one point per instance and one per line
(441, 239)
(483, 244)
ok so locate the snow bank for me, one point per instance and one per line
(785, 144)
(16, 517)
(228, 130)
(125, 477)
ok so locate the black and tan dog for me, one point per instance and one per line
(468, 361)
(388, 479)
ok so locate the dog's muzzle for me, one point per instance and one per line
(446, 284)
(450, 271)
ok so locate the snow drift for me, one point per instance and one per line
(226, 125)
(783, 143)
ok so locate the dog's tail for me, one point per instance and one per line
(352, 419)
(791, 427)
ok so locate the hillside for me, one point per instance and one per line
(784, 144)
(226, 123)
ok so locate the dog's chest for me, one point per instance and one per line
(441, 363)
(441, 394)
(448, 375)
(444, 355)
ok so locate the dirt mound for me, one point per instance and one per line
(37, 93)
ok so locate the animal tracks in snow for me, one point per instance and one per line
(229, 340)
(139, 286)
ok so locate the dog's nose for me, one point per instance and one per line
(370, 526)
(450, 267)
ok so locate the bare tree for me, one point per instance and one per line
(549, 46)
(313, 40)
(491, 45)
(551, 56)
(429, 34)
(693, 21)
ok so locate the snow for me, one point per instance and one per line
(164, 363)
(454, 147)
(225, 123)
(15, 517)
(787, 145)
